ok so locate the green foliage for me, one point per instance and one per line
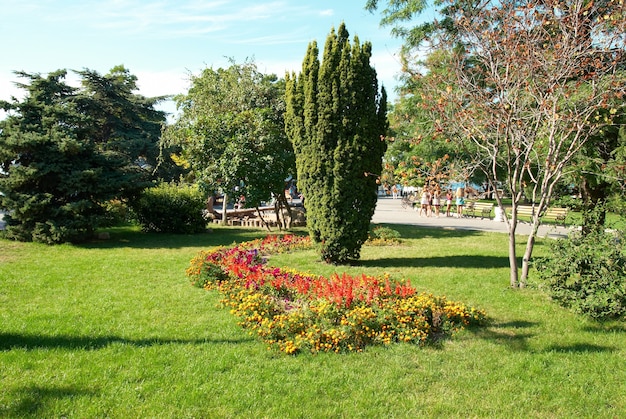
(117, 213)
(587, 273)
(231, 132)
(382, 235)
(170, 208)
(63, 156)
(567, 201)
(126, 124)
(418, 154)
(51, 172)
(336, 120)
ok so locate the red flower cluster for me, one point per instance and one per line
(294, 310)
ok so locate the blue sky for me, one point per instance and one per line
(162, 42)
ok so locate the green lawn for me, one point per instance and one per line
(113, 329)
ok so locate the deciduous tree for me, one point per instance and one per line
(231, 131)
(532, 83)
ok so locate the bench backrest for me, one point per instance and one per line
(556, 213)
(479, 205)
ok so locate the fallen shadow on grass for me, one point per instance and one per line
(515, 336)
(580, 348)
(510, 334)
(120, 238)
(408, 231)
(32, 401)
(10, 341)
(610, 327)
(455, 261)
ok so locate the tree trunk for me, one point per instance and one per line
(512, 227)
(286, 219)
(594, 210)
(224, 209)
(530, 244)
(512, 260)
(265, 223)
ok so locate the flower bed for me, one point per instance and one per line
(295, 311)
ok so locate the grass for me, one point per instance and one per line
(113, 329)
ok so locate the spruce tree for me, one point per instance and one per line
(336, 120)
(56, 176)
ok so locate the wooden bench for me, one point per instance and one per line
(526, 211)
(555, 214)
(473, 208)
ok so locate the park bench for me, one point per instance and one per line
(474, 208)
(555, 214)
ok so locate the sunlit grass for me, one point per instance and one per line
(114, 329)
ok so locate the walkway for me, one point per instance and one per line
(390, 211)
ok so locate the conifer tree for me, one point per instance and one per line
(336, 120)
(57, 168)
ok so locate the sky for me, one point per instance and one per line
(163, 42)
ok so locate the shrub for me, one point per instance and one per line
(381, 235)
(569, 201)
(170, 208)
(587, 273)
(116, 213)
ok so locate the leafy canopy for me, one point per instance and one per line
(231, 132)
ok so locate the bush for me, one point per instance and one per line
(381, 236)
(116, 213)
(568, 201)
(587, 273)
(170, 208)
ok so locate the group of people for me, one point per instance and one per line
(430, 202)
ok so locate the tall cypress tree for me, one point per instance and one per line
(336, 120)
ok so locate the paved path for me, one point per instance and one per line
(390, 211)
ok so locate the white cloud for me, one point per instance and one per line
(165, 20)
